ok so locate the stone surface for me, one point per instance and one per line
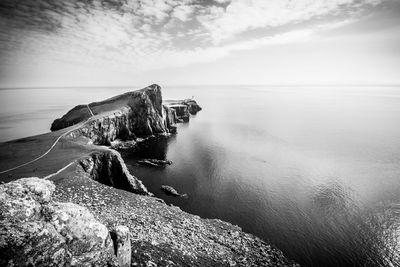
(36, 231)
(122, 243)
(128, 116)
(164, 235)
(108, 167)
(169, 190)
(154, 162)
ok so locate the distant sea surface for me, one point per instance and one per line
(313, 170)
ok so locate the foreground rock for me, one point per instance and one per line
(122, 244)
(164, 235)
(36, 231)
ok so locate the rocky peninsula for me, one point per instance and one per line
(84, 208)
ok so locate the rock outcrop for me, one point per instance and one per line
(135, 114)
(170, 191)
(36, 231)
(154, 162)
(107, 167)
(183, 107)
(164, 235)
(122, 244)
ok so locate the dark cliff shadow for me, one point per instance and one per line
(153, 148)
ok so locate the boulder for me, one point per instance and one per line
(36, 231)
(122, 245)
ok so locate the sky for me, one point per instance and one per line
(198, 42)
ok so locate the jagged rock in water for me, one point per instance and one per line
(169, 190)
(171, 119)
(192, 105)
(108, 167)
(122, 245)
(154, 162)
(36, 231)
(183, 108)
(182, 111)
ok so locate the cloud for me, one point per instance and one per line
(137, 36)
(183, 12)
(240, 15)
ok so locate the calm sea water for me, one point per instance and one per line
(315, 171)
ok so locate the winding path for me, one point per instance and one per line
(90, 110)
(60, 170)
(54, 144)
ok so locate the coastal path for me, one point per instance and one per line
(52, 146)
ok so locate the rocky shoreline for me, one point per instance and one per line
(93, 212)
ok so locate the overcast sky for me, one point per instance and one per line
(171, 42)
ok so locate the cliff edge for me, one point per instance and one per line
(88, 210)
(134, 114)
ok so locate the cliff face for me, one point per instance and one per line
(147, 112)
(105, 129)
(138, 113)
(109, 168)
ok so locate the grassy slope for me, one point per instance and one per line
(16, 152)
(23, 150)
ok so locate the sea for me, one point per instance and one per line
(313, 170)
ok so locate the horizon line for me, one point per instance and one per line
(198, 85)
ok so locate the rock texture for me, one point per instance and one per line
(122, 244)
(163, 235)
(169, 190)
(154, 162)
(183, 107)
(135, 114)
(36, 231)
(107, 167)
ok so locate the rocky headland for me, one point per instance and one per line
(84, 208)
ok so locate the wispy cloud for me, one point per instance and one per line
(135, 36)
(240, 16)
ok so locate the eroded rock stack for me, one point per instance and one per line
(107, 167)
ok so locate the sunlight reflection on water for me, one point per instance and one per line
(314, 171)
